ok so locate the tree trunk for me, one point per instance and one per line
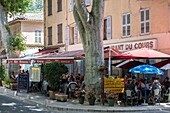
(90, 29)
(5, 32)
(94, 59)
(6, 36)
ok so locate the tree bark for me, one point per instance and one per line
(90, 29)
(5, 33)
(6, 36)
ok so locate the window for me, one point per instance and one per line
(59, 5)
(109, 28)
(37, 36)
(71, 5)
(144, 21)
(71, 35)
(88, 2)
(67, 41)
(49, 7)
(0, 43)
(60, 37)
(105, 30)
(126, 25)
(49, 35)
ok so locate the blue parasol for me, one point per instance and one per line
(146, 69)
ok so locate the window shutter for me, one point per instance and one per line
(67, 35)
(71, 5)
(75, 68)
(88, 2)
(75, 34)
(109, 27)
(82, 67)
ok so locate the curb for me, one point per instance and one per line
(81, 108)
(64, 108)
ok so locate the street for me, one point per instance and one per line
(10, 105)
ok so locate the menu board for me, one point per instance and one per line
(115, 85)
(35, 73)
(23, 82)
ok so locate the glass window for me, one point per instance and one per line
(145, 21)
(126, 30)
(38, 36)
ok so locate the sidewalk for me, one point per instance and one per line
(73, 105)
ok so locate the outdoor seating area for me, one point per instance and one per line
(142, 91)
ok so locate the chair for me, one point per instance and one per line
(71, 89)
(157, 95)
(166, 94)
(130, 98)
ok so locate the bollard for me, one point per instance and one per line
(15, 93)
(46, 102)
(28, 97)
(5, 90)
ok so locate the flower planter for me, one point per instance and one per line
(3, 83)
(51, 95)
(81, 100)
(91, 101)
(61, 97)
(111, 102)
(13, 86)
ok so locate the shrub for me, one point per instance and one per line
(53, 72)
(2, 72)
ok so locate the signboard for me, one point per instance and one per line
(126, 46)
(18, 61)
(35, 73)
(23, 82)
(115, 85)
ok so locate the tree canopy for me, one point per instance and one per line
(13, 7)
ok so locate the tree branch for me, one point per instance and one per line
(82, 12)
(98, 11)
(80, 26)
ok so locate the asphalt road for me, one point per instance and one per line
(10, 105)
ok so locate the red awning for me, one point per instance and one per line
(146, 53)
(45, 51)
(162, 63)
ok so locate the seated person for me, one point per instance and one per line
(130, 86)
(13, 78)
(156, 85)
(166, 83)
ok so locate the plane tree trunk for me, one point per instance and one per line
(5, 37)
(90, 30)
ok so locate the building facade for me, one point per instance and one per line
(30, 26)
(128, 24)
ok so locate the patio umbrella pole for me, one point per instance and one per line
(109, 69)
(145, 92)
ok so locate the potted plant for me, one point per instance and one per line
(53, 72)
(81, 95)
(91, 96)
(111, 98)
